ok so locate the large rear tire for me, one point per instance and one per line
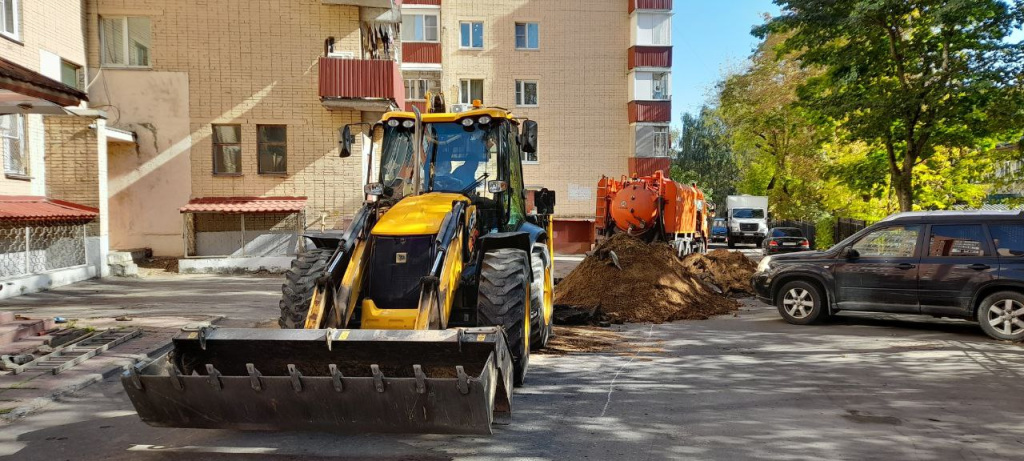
(503, 300)
(540, 327)
(300, 282)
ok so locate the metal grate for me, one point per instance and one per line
(28, 249)
(242, 235)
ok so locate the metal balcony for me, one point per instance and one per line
(361, 84)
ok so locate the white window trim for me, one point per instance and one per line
(515, 35)
(426, 88)
(521, 90)
(127, 45)
(471, 47)
(470, 88)
(435, 12)
(530, 162)
(16, 34)
(19, 135)
(668, 37)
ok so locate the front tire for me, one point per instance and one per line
(300, 283)
(1001, 316)
(801, 303)
(540, 297)
(503, 299)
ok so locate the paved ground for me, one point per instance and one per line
(749, 386)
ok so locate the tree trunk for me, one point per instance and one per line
(903, 185)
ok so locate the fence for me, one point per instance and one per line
(845, 227)
(242, 235)
(809, 229)
(27, 249)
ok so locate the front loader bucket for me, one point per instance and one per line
(445, 382)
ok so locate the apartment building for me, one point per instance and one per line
(593, 73)
(53, 208)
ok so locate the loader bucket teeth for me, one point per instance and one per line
(445, 382)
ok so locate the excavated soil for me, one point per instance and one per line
(589, 339)
(652, 286)
(729, 271)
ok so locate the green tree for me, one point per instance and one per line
(908, 75)
(702, 156)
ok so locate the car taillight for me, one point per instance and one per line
(773, 243)
(804, 243)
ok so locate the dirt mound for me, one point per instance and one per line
(730, 271)
(628, 280)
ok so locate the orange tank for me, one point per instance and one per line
(653, 207)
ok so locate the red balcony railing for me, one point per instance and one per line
(361, 79)
(421, 105)
(649, 5)
(650, 56)
(646, 166)
(650, 111)
(429, 53)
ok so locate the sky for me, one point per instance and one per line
(710, 38)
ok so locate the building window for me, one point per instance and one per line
(417, 88)
(227, 149)
(662, 140)
(470, 90)
(659, 86)
(71, 74)
(419, 28)
(472, 35)
(9, 18)
(272, 144)
(527, 36)
(526, 93)
(653, 29)
(651, 86)
(125, 41)
(12, 143)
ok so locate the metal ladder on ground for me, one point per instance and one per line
(65, 357)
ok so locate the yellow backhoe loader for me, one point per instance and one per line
(418, 318)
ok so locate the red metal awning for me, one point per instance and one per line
(21, 87)
(42, 209)
(245, 205)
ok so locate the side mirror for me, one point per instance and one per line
(544, 201)
(849, 253)
(345, 141)
(497, 187)
(528, 139)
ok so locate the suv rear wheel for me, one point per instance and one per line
(1001, 315)
(801, 303)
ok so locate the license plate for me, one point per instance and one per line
(789, 244)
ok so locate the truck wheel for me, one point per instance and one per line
(300, 282)
(1001, 315)
(540, 298)
(503, 300)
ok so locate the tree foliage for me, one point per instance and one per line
(703, 156)
(907, 75)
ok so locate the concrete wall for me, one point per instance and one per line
(581, 70)
(250, 63)
(151, 179)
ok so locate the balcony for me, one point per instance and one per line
(663, 5)
(365, 3)
(650, 111)
(361, 84)
(421, 52)
(650, 56)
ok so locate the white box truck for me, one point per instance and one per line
(747, 219)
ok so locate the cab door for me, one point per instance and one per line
(956, 262)
(883, 275)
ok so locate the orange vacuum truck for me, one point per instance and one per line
(654, 208)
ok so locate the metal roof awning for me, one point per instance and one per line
(242, 205)
(21, 208)
(23, 91)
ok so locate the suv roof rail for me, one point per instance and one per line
(955, 213)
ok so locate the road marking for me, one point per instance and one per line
(611, 387)
(198, 449)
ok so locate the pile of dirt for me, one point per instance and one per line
(628, 280)
(589, 339)
(728, 271)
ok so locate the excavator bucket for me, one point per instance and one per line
(456, 381)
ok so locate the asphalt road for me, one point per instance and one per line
(734, 387)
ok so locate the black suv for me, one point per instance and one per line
(961, 264)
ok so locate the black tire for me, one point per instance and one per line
(503, 300)
(801, 303)
(1001, 315)
(300, 281)
(731, 243)
(540, 330)
(757, 244)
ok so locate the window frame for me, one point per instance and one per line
(16, 12)
(126, 43)
(520, 93)
(462, 92)
(259, 149)
(471, 46)
(664, 20)
(423, 14)
(920, 229)
(526, 27)
(215, 151)
(428, 84)
(665, 133)
(79, 84)
(19, 136)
